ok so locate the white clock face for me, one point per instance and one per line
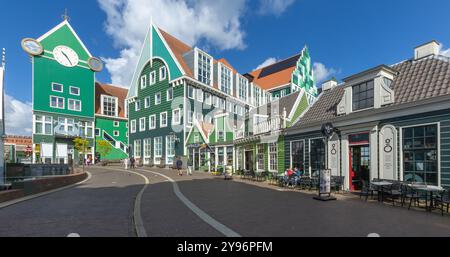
(66, 56)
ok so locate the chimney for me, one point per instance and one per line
(330, 84)
(430, 48)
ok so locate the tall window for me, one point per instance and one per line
(363, 96)
(163, 119)
(147, 147)
(297, 155)
(152, 77)
(157, 149)
(170, 149)
(191, 92)
(204, 68)
(225, 79)
(260, 157)
(109, 105)
(162, 73)
(143, 81)
(273, 157)
(176, 120)
(137, 148)
(158, 98)
(86, 128)
(147, 102)
(137, 106)
(142, 124)
(317, 155)
(420, 154)
(170, 94)
(133, 126)
(152, 121)
(243, 87)
(221, 156)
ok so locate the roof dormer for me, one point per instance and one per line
(367, 90)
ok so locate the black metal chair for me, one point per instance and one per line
(393, 191)
(305, 183)
(314, 183)
(443, 199)
(367, 190)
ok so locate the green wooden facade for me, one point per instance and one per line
(115, 131)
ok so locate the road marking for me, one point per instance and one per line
(30, 197)
(137, 216)
(200, 213)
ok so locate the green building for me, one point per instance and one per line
(111, 124)
(183, 102)
(63, 94)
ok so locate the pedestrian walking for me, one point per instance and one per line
(132, 163)
(190, 166)
(179, 166)
(126, 163)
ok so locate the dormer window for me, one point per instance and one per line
(204, 67)
(362, 96)
(225, 80)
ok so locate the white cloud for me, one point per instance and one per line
(214, 23)
(444, 52)
(275, 7)
(322, 73)
(18, 117)
(267, 62)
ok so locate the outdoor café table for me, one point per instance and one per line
(429, 190)
(381, 184)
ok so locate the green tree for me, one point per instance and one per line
(104, 147)
(82, 146)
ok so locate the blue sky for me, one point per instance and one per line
(344, 36)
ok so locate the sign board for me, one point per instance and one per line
(388, 152)
(325, 182)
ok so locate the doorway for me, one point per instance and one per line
(196, 159)
(359, 166)
(249, 160)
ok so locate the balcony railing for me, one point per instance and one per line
(269, 125)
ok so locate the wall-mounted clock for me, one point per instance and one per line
(32, 46)
(66, 56)
(95, 64)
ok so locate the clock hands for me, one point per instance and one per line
(66, 57)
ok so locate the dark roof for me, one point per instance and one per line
(415, 80)
(284, 102)
(418, 80)
(324, 108)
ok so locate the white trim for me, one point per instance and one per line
(309, 153)
(116, 103)
(150, 127)
(152, 76)
(179, 116)
(132, 131)
(75, 100)
(304, 151)
(116, 134)
(143, 82)
(161, 78)
(56, 107)
(145, 102)
(142, 121)
(116, 122)
(169, 50)
(70, 90)
(160, 98)
(62, 87)
(65, 22)
(167, 94)
(161, 125)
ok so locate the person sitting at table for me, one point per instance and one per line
(297, 175)
(287, 176)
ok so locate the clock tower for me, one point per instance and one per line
(63, 94)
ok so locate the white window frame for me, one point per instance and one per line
(143, 81)
(116, 103)
(176, 122)
(43, 122)
(116, 133)
(223, 69)
(157, 152)
(276, 153)
(257, 154)
(152, 78)
(147, 148)
(62, 87)
(161, 124)
(156, 98)
(171, 94)
(142, 124)
(304, 152)
(197, 66)
(150, 118)
(136, 105)
(74, 104)
(168, 141)
(193, 92)
(116, 124)
(161, 78)
(58, 98)
(72, 87)
(133, 126)
(147, 101)
(137, 149)
(200, 95)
